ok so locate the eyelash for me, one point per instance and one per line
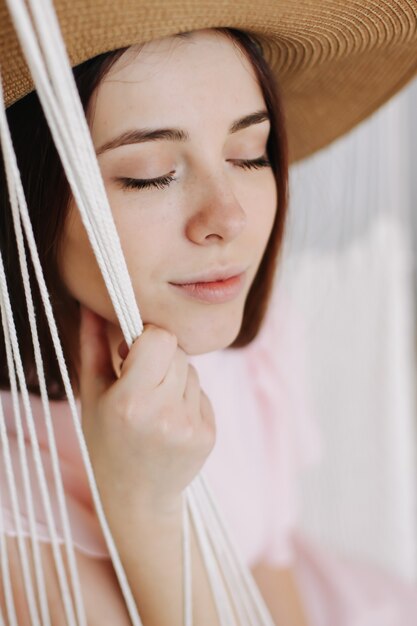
(164, 181)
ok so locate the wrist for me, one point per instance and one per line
(143, 506)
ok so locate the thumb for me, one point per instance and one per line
(96, 367)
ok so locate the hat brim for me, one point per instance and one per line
(336, 61)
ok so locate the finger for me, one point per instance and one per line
(96, 368)
(149, 358)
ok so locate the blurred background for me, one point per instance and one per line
(349, 271)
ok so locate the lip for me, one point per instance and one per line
(214, 291)
(212, 275)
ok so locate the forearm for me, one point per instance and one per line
(150, 548)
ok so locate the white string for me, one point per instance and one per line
(6, 579)
(54, 53)
(245, 611)
(238, 575)
(11, 483)
(39, 576)
(248, 582)
(74, 413)
(222, 599)
(15, 187)
(73, 406)
(32, 54)
(79, 162)
(5, 570)
(249, 586)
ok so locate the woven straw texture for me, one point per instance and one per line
(336, 61)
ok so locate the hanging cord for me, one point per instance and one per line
(6, 315)
(245, 613)
(222, 539)
(58, 93)
(5, 577)
(223, 603)
(5, 570)
(16, 194)
(72, 403)
(21, 542)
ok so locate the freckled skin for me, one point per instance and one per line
(215, 213)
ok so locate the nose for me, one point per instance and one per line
(217, 215)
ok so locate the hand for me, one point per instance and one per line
(149, 431)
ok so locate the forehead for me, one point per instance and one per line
(202, 75)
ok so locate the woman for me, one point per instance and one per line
(197, 186)
(202, 175)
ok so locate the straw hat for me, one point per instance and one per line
(336, 60)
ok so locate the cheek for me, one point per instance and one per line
(261, 205)
(79, 270)
(145, 236)
(145, 242)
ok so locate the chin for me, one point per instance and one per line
(203, 340)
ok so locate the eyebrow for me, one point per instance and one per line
(142, 135)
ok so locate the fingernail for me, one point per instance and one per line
(123, 350)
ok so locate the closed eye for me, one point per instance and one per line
(164, 181)
(146, 183)
(252, 164)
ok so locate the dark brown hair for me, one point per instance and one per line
(48, 194)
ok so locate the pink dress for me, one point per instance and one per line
(265, 437)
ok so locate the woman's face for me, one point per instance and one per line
(187, 114)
